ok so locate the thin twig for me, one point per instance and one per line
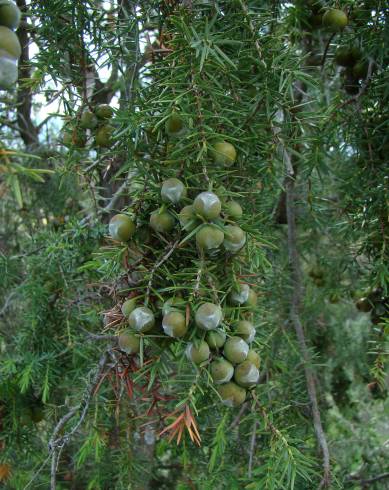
(157, 266)
(241, 412)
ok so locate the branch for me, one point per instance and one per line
(369, 481)
(296, 301)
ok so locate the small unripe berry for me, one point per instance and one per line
(239, 297)
(221, 371)
(235, 350)
(254, 358)
(103, 136)
(233, 209)
(209, 237)
(88, 120)
(104, 111)
(173, 304)
(335, 19)
(121, 227)
(363, 304)
(9, 42)
(174, 324)
(128, 306)
(245, 330)
(187, 218)
(173, 190)
(174, 125)
(223, 153)
(161, 221)
(10, 15)
(208, 316)
(142, 319)
(207, 205)
(197, 352)
(129, 342)
(231, 394)
(234, 238)
(215, 339)
(246, 374)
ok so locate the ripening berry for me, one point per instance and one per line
(222, 371)
(121, 227)
(8, 71)
(215, 339)
(197, 352)
(187, 218)
(347, 55)
(103, 136)
(142, 319)
(254, 358)
(361, 69)
(223, 153)
(128, 342)
(174, 125)
(104, 111)
(9, 42)
(208, 316)
(209, 237)
(233, 209)
(252, 299)
(235, 350)
(335, 20)
(161, 221)
(10, 15)
(207, 205)
(234, 238)
(173, 304)
(231, 394)
(246, 330)
(363, 304)
(246, 374)
(173, 190)
(128, 306)
(239, 297)
(174, 324)
(88, 120)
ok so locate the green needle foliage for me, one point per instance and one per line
(262, 105)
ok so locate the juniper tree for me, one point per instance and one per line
(195, 245)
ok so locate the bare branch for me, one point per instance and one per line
(252, 448)
(296, 301)
(57, 444)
